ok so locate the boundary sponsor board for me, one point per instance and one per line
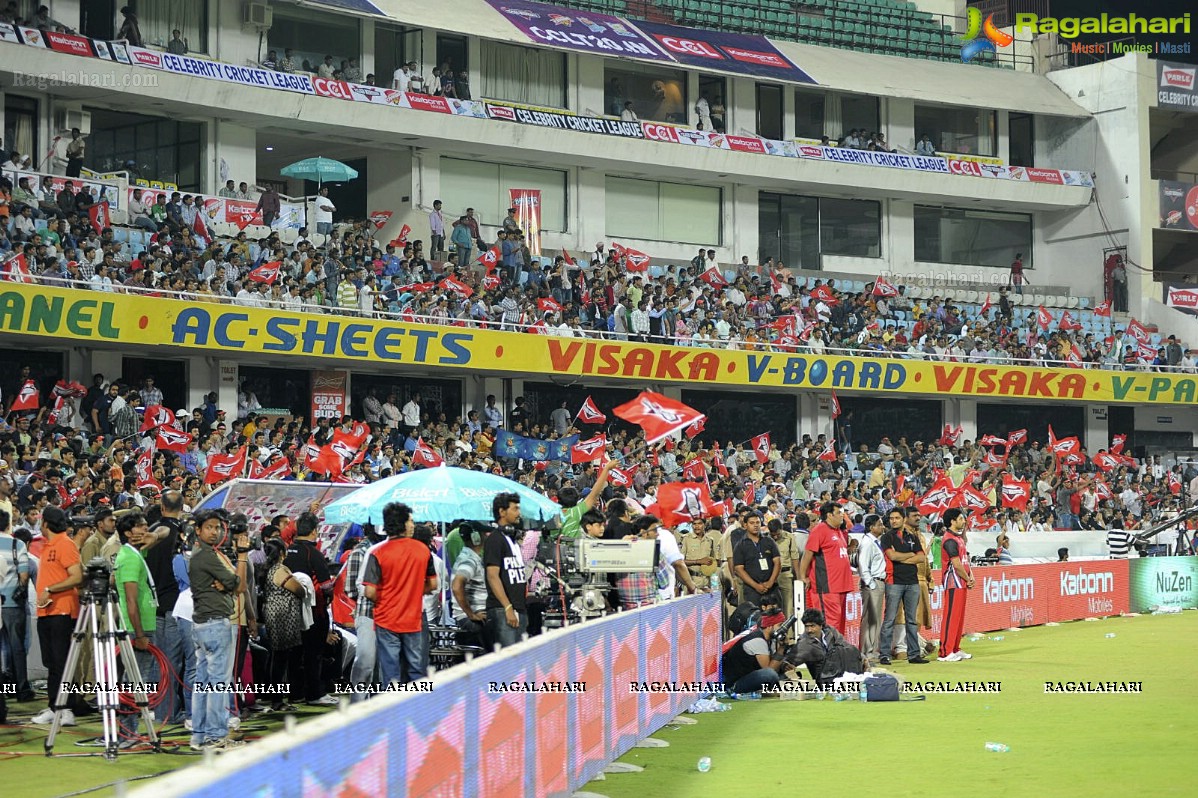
(1163, 582)
(67, 314)
(466, 737)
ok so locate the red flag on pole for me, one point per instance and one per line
(985, 306)
(829, 452)
(566, 257)
(548, 305)
(590, 414)
(156, 416)
(835, 406)
(279, 469)
(711, 275)
(145, 470)
(684, 501)
(658, 415)
(490, 258)
(590, 449)
(1016, 437)
(1103, 309)
(1118, 441)
(28, 398)
(1015, 492)
(171, 439)
(1043, 318)
(696, 429)
(694, 471)
(455, 285)
(884, 288)
(225, 466)
(761, 447)
(425, 455)
(198, 226)
(100, 218)
(16, 270)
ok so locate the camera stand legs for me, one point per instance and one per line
(99, 627)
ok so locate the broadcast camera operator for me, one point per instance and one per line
(748, 664)
(215, 581)
(823, 650)
(469, 587)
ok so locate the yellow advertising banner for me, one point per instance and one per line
(225, 329)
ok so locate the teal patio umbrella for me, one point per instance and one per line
(319, 169)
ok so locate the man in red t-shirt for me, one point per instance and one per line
(398, 574)
(958, 581)
(825, 570)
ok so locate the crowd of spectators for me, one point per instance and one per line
(703, 303)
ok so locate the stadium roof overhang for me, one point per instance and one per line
(831, 68)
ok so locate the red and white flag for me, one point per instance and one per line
(696, 429)
(590, 449)
(718, 461)
(1043, 318)
(1067, 323)
(938, 498)
(590, 414)
(1103, 309)
(694, 471)
(884, 288)
(156, 416)
(16, 270)
(310, 453)
(539, 327)
(633, 259)
(679, 502)
(829, 452)
(425, 455)
(1015, 492)
(1102, 490)
(835, 406)
(1139, 332)
(490, 258)
(1118, 441)
(761, 447)
(380, 219)
(566, 257)
(28, 398)
(225, 466)
(992, 440)
(1174, 483)
(1105, 461)
(825, 294)
(712, 276)
(1016, 437)
(145, 470)
(455, 285)
(658, 415)
(171, 439)
(994, 460)
(266, 273)
(199, 226)
(279, 469)
(950, 436)
(621, 477)
(1062, 446)
(100, 218)
(985, 306)
(549, 305)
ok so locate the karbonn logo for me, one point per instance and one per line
(689, 47)
(970, 168)
(1082, 583)
(1178, 78)
(428, 103)
(332, 88)
(998, 591)
(661, 133)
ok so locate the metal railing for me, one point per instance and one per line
(406, 317)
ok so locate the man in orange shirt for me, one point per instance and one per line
(58, 578)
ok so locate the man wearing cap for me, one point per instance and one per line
(698, 550)
(58, 578)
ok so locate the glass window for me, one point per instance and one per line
(859, 112)
(769, 111)
(809, 115)
(967, 131)
(850, 227)
(975, 238)
(160, 149)
(158, 18)
(656, 93)
(484, 187)
(711, 90)
(523, 74)
(654, 211)
(311, 36)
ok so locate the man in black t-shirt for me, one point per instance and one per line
(756, 560)
(507, 613)
(304, 557)
(903, 551)
(167, 637)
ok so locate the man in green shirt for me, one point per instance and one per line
(574, 506)
(135, 593)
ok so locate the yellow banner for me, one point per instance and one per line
(229, 329)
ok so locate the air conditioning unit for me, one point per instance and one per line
(259, 15)
(75, 117)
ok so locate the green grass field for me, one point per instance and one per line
(1061, 745)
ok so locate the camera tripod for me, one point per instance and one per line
(99, 626)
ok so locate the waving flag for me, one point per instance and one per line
(1102, 490)
(950, 436)
(566, 257)
(100, 218)
(994, 460)
(589, 413)
(938, 498)
(279, 469)
(685, 501)
(145, 470)
(590, 449)
(455, 285)
(1067, 323)
(1174, 482)
(490, 258)
(835, 406)
(425, 455)
(1016, 437)
(1139, 332)
(985, 306)
(970, 498)
(712, 276)
(266, 273)
(718, 461)
(884, 288)
(1043, 318)
(829, 452)
(549, 305)
(761, 447)
(992, 440)
(1062, 446)
(1103, 309)
(490, 281)
(658, 415)
(634, 260)
(171, 439)
(327, 461)
(1118, 441)
(156, 416)
(696, 429)
(28, 398)
(16, 270)
(539, 327)
(694, 471)
(225, 466)
(310, 453)
(1016, 493)
(1074, 358)
(825, 294)
(1105, 461)
(199, 227)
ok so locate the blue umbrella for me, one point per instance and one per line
(321, 170)
(440, 494)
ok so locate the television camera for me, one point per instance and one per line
(578, 571)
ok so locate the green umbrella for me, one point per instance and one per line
(320, 170)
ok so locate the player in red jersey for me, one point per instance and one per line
(824, 570)
(958, 581)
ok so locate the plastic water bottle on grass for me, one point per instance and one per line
(998, 639)
(704, 764)
(1109, 635)
(998, 748)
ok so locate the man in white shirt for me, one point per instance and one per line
(402, 79)
(411, 413)
(324, 212)
(436, 224)
(871, 571)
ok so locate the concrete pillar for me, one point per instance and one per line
(232, 155)
(1097, 428)
(389, 187)
(226, 389)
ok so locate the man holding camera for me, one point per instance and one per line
(214, 583)
(748, 664)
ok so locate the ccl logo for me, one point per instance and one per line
(660, 133)
(992, 36)
(332, 88)
(967, 168)
(689, 47)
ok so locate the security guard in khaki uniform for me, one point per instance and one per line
(789, 552)
(699, 551)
